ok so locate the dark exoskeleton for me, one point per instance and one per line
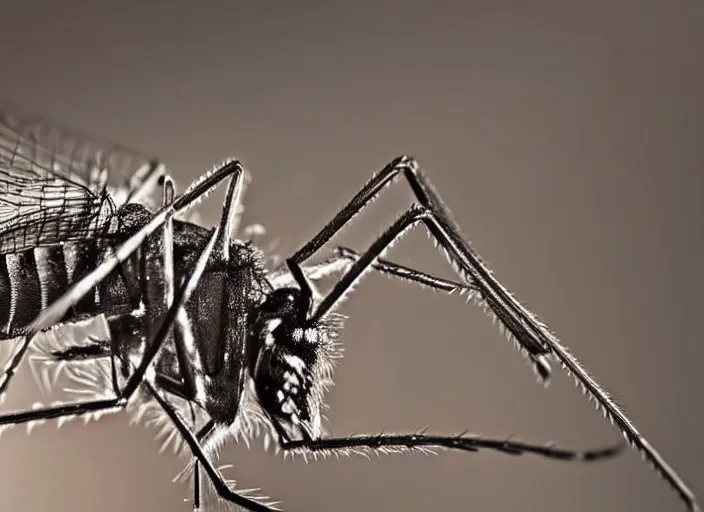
(196, 317)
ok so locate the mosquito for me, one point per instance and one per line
(203, 336)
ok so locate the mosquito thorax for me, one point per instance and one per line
(285, 362)
(131, 217)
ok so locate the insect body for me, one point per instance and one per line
(200, 328)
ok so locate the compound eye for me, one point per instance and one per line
(282, 302)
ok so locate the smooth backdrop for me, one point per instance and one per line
(566, 137)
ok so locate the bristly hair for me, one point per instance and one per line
(92, 378)
(329, 351)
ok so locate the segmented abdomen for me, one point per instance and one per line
(33, 279)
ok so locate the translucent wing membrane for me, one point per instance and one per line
(45, 211)
(42, 146)
(54, 181)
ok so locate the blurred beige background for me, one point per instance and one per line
(566, 139)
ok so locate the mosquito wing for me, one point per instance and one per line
(56, 182)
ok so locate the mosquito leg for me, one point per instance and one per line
(69, 409)
(218, 240)
(190, 364)
(464, 442)
(410, 274)
(343, 259)
(196, 486)
(113, 371)
(160, 297)
(532, 347)
(75, 409)
(236, 221)
(216, 477)
(196, 469)
(203, 434)
(521, 325)
(156, 259)
(12, 364)
(414, 215)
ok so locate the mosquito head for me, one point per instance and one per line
(291, 363)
